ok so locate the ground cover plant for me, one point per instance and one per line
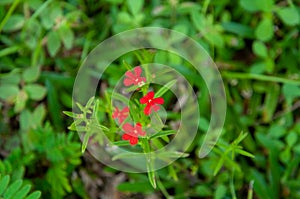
(43, 143)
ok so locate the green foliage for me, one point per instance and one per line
(60, 153)
(254, 44)
(17, 189)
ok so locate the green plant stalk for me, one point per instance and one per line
(205, 6)
(40, 9)
(36, 54)
(9, 50)
(232, 190)
(163, 189)
(9, 13)
(259, 77)
(232, 175)
(250, 192)
(149, 162)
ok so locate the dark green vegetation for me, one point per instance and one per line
(254, 43)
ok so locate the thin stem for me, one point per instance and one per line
(163, 189)
(259, 77)
(9, 13)
(149, 162)
(205, 6)
(232, 185)
(40, 9)
(250, 191)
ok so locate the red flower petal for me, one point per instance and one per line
(147, 109)
(140, 130)
(147, 97)
(125, 110)
(155, 107)
(133, 140)
(158, 100)
(128, 82)
(130, 75)
(126, 136)
(150, 95)
(138, 71)
(128, 128)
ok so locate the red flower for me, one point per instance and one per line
(151, 102)
(135, 78)
(132, 133)
(121, 115)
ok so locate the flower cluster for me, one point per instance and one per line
(152, 104)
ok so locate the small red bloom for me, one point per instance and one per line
(151, 102)
(134, 78)
(121, 115)
(132, 133)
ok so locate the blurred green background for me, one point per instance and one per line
(255, 44)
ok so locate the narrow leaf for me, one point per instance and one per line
(163, 133)
(165, 88)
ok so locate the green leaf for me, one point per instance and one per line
(8, 91)
(260, 185)
(260, 49)
(245, 153)
(135, 6)
(290, 92)
(121, 143)
(35, 91)
(271, 102)
(34, 195)
(203, 190)
(39, 115)
(22, 192)
(165, 88)
(15, 22)
(124, 17)
(66, 35)
(265, 30)
(198, 20)
(163, 133)
(219, 165)
(31, 74)
(257, 5)
(85, 140)
(6, 2)
(220, 192)
(291, 138)
(238, 29)
(25, 119)
(152, 178)
(70, 114)
(20, 101)
(120, 97)
(3, 183)
(12, 189)
(54, 106)
(53, 43)
(289, 15)
(276, 131)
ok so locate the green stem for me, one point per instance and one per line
(259, 77)
(232, 185)
(250, 192)
(163, 189)
(149, 162)
(9, 50)
(205, 6)
(40, 9)
(9, 13)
